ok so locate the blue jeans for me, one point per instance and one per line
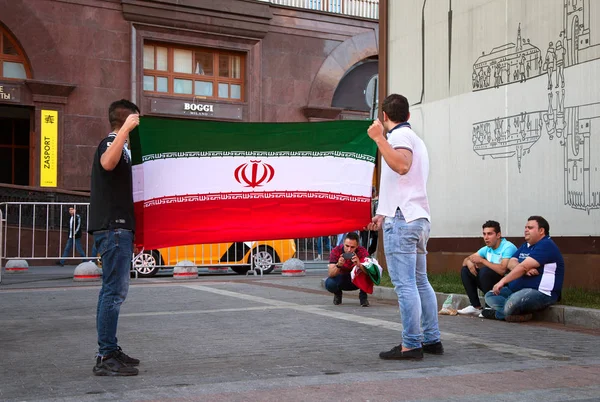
(323, 240)
(523, 301)
(341, 282)
(116, 249)
(405, 246)
(69, 248)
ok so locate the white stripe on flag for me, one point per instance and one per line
(167, 177)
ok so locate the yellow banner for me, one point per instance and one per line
(49, 148)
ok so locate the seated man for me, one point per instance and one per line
(535, 280)
(486, 267)
(339, 268)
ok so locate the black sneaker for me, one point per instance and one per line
(488, 313)
(397, 354)
(337, 299)
(111, 366)
(59, 263)
(128, 360)
(434, 348)
(364, 303)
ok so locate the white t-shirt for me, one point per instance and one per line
(407, 192)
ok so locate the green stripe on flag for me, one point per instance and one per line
(158, 138)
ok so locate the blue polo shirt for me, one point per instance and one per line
(505, 250)
(551, 269)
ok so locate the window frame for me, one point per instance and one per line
(20, 58)
(215, 79)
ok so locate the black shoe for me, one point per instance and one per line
(397, 354)
(111, 366)
(364, 303)
(123, 358)
(59, 263)
(489, 313)
(434, 348)
(337, 299)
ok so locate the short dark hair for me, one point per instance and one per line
(352, 236)
(543, 223)
(118, 112)
(396, 108)
(492, 224)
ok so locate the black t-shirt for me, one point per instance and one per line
(111, 204)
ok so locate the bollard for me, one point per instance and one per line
(185, 270)
(293, 267)
(87, 272)
(16, 266)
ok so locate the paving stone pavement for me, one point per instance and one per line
(237, 338)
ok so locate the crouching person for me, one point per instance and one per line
(535, 280)
(341, 261)
(483, 269)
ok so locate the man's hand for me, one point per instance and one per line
(355, 260)
(532, 272)
(375, 131)
(132, 121)
(376, 223)
(476, 259)
(341, 262)
(497, 287)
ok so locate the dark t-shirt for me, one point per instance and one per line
(111, 205)
(551, 269)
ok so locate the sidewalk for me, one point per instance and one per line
(566, 315)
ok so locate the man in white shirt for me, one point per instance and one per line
(403, 212)
(483, 269)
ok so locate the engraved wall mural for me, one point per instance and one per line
(558, 119)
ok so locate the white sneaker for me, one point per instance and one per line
(318, 257)
(469, 310)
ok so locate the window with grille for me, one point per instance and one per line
(194, 72)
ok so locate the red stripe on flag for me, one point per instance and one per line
(217, 221)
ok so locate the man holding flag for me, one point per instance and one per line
(403, 212)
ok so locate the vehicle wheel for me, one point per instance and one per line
(264, 257)
(147, 263)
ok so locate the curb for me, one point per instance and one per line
(582, 317)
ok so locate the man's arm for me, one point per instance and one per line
(111, 157)
(399, 160)
(470, 264)
(517, 272)
(512, 263)
(500, 269)
(333, 270)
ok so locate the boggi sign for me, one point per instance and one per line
(198, 107)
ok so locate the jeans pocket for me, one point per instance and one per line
(409, 239)
(104, 242)
(388, 226)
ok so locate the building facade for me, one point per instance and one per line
(62, 62)
(510, 113)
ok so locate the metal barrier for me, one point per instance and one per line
(35, 230)
(38, 230)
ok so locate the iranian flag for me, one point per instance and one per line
(198, 182)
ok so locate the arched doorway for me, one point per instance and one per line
(356, 90)
(15, 121)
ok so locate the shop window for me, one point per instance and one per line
(13, 64)
(182, 71)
